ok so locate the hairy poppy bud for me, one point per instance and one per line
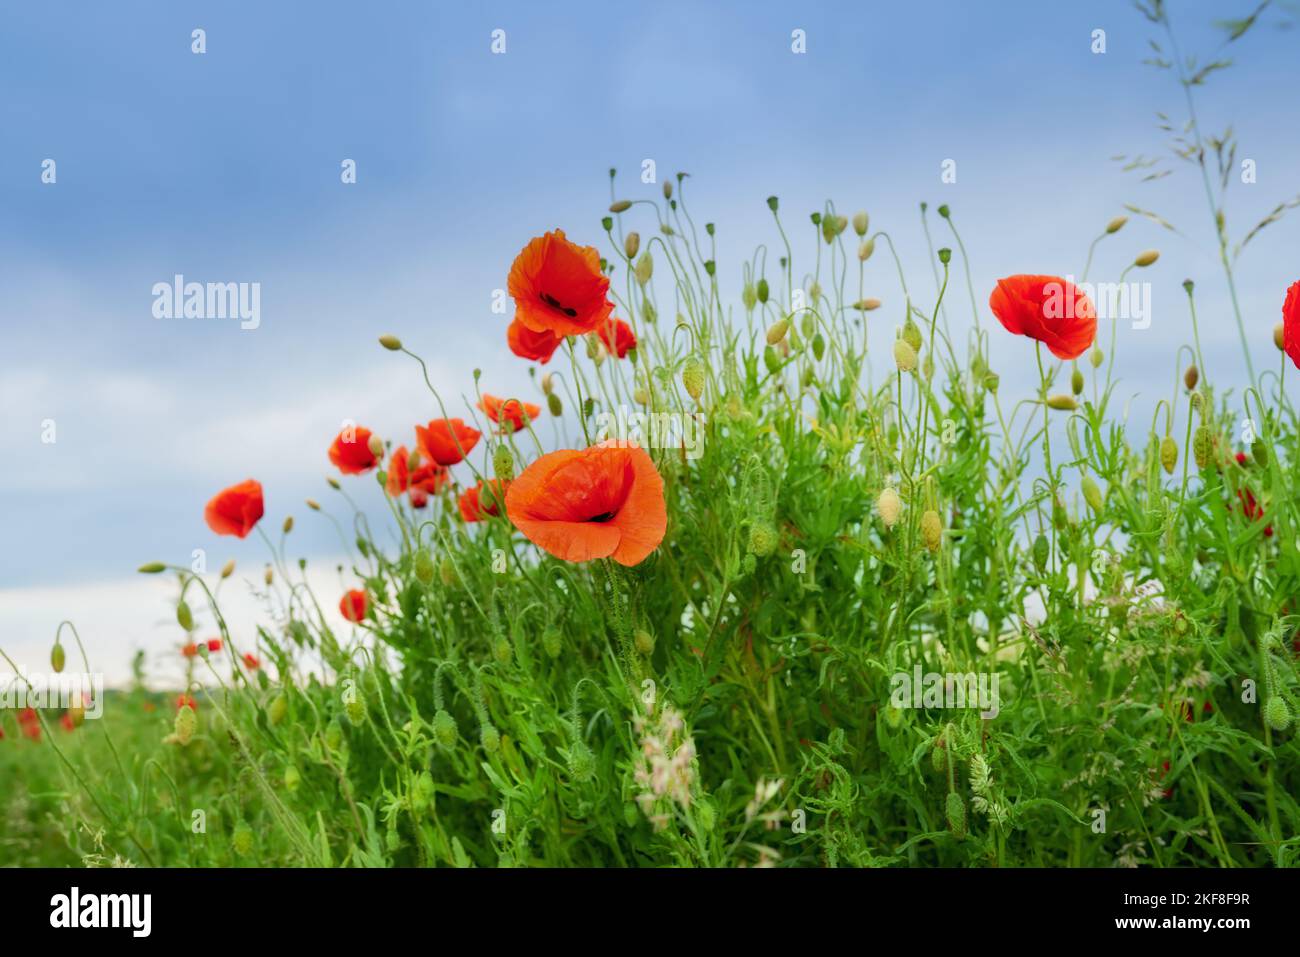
(819, 346)
(423, 567)
(693, 377)
(1277, 713)
(1062, 403)
(939, 756)
(334, 735)
(956, 813)
(1076, 382)
(1279, 336)
(354, 705)
(865, 250)
(772, 360)
(376, 446)
(288, 524)
(552, 642)
(749, 296)
(333, 482)
(489, 737)
(553, 404)
(867, 305)
(548, 383)
(1096, 357)
(860, 221)
(912, 334)
(447, 572)
(241, 839)
(268, 576)
(991, 382)
(762, 539)
(931, 530)
(185, 724)
(292, 778)
(1042, 552)
(228, 569)
(1116, 224)
(315, 505)
(184, 617)
(391, 343)
(1260, 452)
(57, 657)
(644, 641)
(631, 244)
(503, 463)
(763, 290)
(1168, 454)
(776, 332)
(620, 206)
(277, 709)
(152, 568)
(444, 728)
(1202, 446)
(644, 268)
(668, 189)
(1092, 493)
(1146, 257)
(1191, 377)
(904, 356)
(890, 507)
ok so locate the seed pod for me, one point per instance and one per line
(444, 728)
(57, 657)
(762, 290)
(1092, 494)
(1076, 381)
(292, 778)
(904, 356)
(1276, 713)
(956, 812)
(503, 463)
(1202, 446)
(241, 839)
(552, 642)
(620, 206)
(184, 617)
(932, 530)
(1062, 403)
(1260, 452)
(860, 222)
(277, 709)
(889, 506)
(228, 568)
(391, 343)
(693, 377)
(776, 332)
(865, 250)
(1042, 552)
(1146, 258)
(185, 724)
(631, 244)
(1168, 454)
(1279, 336)
(1191, 377)
(1116, 224)
(553, 404)
(644, 641)
(762, 539)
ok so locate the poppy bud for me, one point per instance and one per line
(489, 737)
(632, 243)
(553, 404)
(991, 382)
(620, 206)
(860, 221)
(241, 839)
(1076, 381)
(1062, 403)
(391, 343)
(447, 572)
(644, 268)
(606, 223)
(939, 756)
(866, 249)
(668, 189)
(277, 709)
(890, 507)
(904, 356)
(776, 332)
(1116, 224)
(749, 296)
(292, 778)
(1042, 551)
(152, 568)
(184, 617)
(1279, 336)
(1146, 257)
(502, 651)
(1092, 493)
(288, 524)
(640, 395)
(772, 360)
(866, 305)
(815, 291)
(1260, 451)
(693, 377)
(268, 576)
(313, 504)
(57, 657)
(644, 641)
(423, 566)
(376, 446)
(956, 812)
(228, 569)
(1096, 357)
(931, 530)
(582, 763)
(552, 642)
(1191, 377)
(334, 735)
(333, 482)
(819, 346)
(503, 463)
(1168, 454)
(1202, 446)
(762, 539)
(185, 724)
(444, 729)
(1276, 713)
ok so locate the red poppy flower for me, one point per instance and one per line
(1252, 509)
(353, 605)
(1048, 309)
(235, 510)
(29, 723)
(1242, 460)
(184, 699)
(617, 336)
(214, 645)
(558, 287)
(190, 650)
(530, 344)
(603, 502)
(446, 441)
(351, 451)
(67, 722)
(1291, 323)
(475, 505)
(428, 477)
(251, 662)
(513, 411)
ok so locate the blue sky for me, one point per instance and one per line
(225, 167)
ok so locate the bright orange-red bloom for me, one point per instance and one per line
(513, 411)
(353, 605)
(235, 510)
(1046, 308)
(529, 344)
(30, 723)
(214, 645)
(475, 505)
(351, 451)
(558, 287)
(617, 336)
(67, 722)
(251, 662)
(427, 479)
(446, 441)
(603, 502)
(185, 699)
(1291, 323)
(190, 650)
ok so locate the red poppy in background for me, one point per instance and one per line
(617, 336)
(214, 645)
(235, 510)
(1048, 309)
(475, 505)
(1291, 323)
(427, 478)
(446, 441)
(513, 411)
(603, 502)
(558, 287)
(1252, 509)
(351, 453)
(530, 344)
(190, 650)
(67, 722)
(353, 605)
(251, 662)
(185, 699)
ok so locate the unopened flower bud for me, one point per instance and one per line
(184, 617)
(867, 247)
(57, 657)
(444, 728)
(277, 709)
(152, 568)
(860, 221)
(185, 724)
(867, 305)
(644, 268)
(890, 507)
(376, 446)
(1279, 336)
(776, 332)
(1202, 446)
(553, 403)
(931, 530)
(288, 524)
(693, 377)
(503, 463)
(762, 539)
(644, 641)
(956, 813)
(1116, 224)
(1062, 403)
(268, 576)
(620, 206)
(1146, 257)
(631, 244)
(668, 189)
(1168, 454)
(423, 567)
(1092, 494)
(1096, 358)
(391, 343)
(1076, 381)
(1191, 377)
(904, 356)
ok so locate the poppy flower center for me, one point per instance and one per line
(555, 304)
(603, 516)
